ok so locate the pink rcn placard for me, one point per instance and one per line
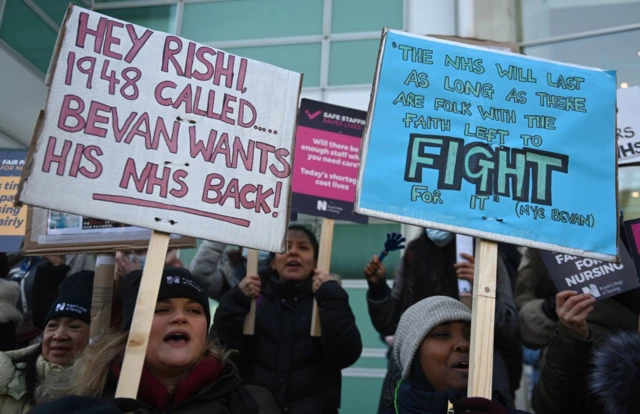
(326, 160)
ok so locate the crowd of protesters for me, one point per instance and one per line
(587, 353)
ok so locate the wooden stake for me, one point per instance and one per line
(324, 264)
(102, 294)
(143, 317)
(252, 269)
(483, 322)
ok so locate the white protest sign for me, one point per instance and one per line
(152, 130)
(628, 129)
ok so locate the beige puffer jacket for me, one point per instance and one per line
(13, 388)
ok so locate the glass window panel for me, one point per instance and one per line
(303, 58)
(353, 63)
(27, 34)
(160, 18)
(53, 8)
(251, 19)
(350, 16)
(548, 18)
(612, 52)
(351, 98)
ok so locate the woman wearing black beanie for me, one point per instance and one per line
(65, 335)
(184, 372)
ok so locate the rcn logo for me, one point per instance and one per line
(173, 280)
(60, 307)
(322, 205)
(593, 289)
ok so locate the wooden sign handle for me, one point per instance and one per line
(102, 298)
(482, 324)
(143, 317)
(252, 269)
(324, 264)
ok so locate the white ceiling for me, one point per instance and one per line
(22, 96)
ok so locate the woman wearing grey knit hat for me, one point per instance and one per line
(432, 349)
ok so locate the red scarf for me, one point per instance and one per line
(154, 393)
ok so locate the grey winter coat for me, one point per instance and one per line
(216, 270)
(10, 316)
(563, 382)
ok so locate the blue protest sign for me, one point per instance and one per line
(492, 144)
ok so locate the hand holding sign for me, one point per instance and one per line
(374, 272)
(395, 241)
(251, 286)
(320, 277)
(572, 309)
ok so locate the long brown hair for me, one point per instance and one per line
(428, 271)
(88, 374)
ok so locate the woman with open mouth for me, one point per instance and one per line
(302, 372)
(431, 347)
(183, 371)
(65, 335)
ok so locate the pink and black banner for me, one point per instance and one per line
(327, 158)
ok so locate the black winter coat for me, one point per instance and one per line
(410, 400)
(302, 372)
(228, 395)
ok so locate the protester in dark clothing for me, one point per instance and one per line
(23, 271)
(10, 316)
(536, 298)
(74, 404)
(386, 305)
(615, 378)
(427, 269)
(512, 259)
(48, 277)
(4, 265)
(584, 326)
(302, 372)
(432, 350)
(184, 373)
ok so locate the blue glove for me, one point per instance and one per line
(395, 241)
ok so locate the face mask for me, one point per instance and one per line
(439, 237)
